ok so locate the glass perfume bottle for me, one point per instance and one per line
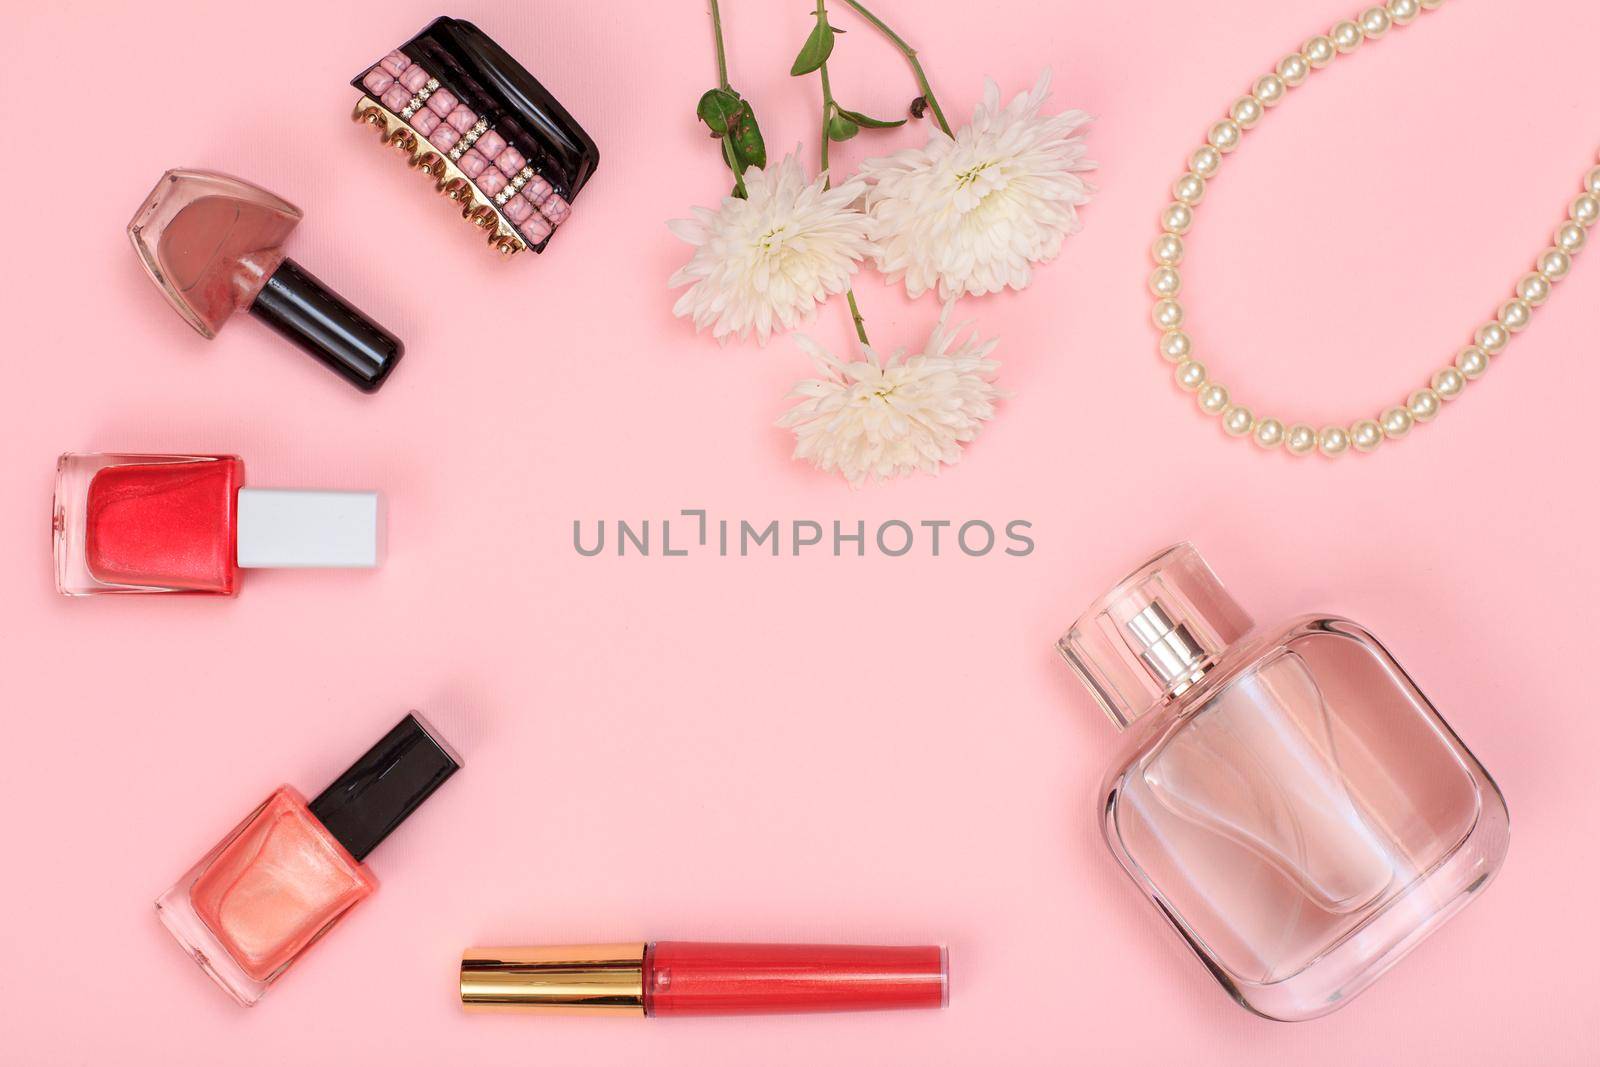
(1288, 799)
(127, 523)
(291, 870)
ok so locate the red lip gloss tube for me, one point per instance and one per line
(128, 523)
(704, 978)
(291, 870)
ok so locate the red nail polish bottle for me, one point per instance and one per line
(292, 870)
(185, 524)
(705, 978)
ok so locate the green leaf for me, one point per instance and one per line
(816, 50)
(870, 123)
(720, 109)
(841, 128)
(748, 144)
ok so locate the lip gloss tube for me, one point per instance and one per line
(704, 978)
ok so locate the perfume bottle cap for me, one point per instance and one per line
(383, 787)
(1154, 635)
(308, 528)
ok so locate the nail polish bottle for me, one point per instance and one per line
(291, 870)
(704, 978)
(184, 524)
(214, 245)
(1287, 798)
(472, 119)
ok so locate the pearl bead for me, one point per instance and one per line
(1375, 22)
(1269, 433)
(1237, 421)
(1177, 218)
(1472, 362)
(1269, 89)
(1570, 238)
(1533, 288)
(1212, 398)
(1301, 440)
(1515, 315)
(1224, 136)
(1333, 440)
(1554, 264)
(1189, 189)
(1319, 51)
(1491, 337)
(1366, 435)
(1246, 111)
(1175, 346)
(1396, 423)
(1423, 405)
(1190, 375)
(1206, 161)
(1346, 36)
(1167, 314)
(1591, 182)
(1404, 11)
(1448, 383)
(1585, 210)
(1168, 250)
(1164, 282)
(1293, 69)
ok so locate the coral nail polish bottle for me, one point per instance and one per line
(1288, 799)
(185, 524)
(292, 870)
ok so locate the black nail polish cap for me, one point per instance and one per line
(366, 802)
(317, 319)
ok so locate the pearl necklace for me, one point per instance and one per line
(1422, 406)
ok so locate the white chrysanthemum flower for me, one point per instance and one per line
(883, 418)
(769, 260)
(973, 213)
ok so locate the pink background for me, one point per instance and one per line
(765, 748)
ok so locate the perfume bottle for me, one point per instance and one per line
(1288, 799)
(291, 870)
(126, 523)
(658, 978)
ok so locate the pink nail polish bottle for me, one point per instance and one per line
(1287, 798)
(291, 870)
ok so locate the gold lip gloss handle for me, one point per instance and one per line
(568, 979)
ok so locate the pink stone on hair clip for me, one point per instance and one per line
(509, 161)
(443, 101)
(555, 209)
(413, 78)
(423, 121)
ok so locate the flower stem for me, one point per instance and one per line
(855, 315)
(911, 57)
(828, 108)
(722, 55)
(722, 81)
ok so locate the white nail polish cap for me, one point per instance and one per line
(308, 528)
